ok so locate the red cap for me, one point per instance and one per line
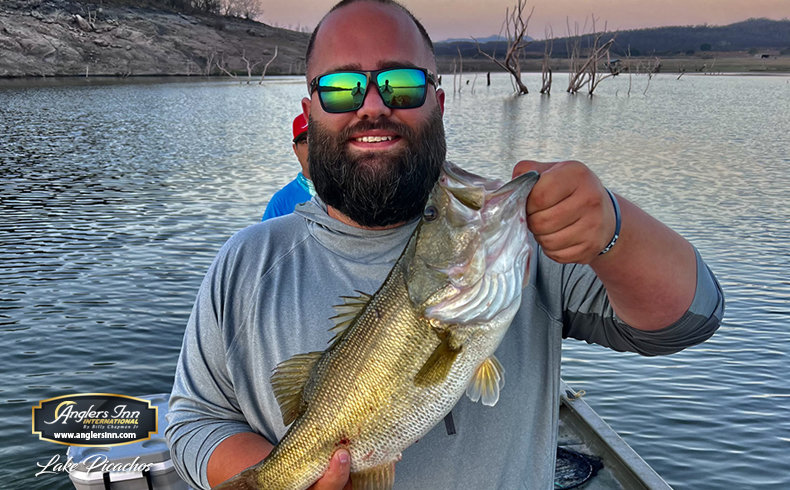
(299, 126)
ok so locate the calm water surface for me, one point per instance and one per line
(115, 198)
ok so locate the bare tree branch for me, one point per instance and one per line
(266, 67)
(546, 65)
(515, 25)
(221, 65)
(586, 72)
(250, 67)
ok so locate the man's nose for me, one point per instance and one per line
(373, 105)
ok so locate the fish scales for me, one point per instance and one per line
(398, 368)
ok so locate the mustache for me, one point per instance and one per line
(399, 129)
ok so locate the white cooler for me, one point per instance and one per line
(161, 473)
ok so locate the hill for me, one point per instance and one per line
(752, 34)
(117, 38)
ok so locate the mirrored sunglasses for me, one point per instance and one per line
(399, 88)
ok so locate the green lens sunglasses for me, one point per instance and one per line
(400, 88)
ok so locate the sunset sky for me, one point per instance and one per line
(463, 18)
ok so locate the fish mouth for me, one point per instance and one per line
(517, 188)
(502, 250)
(494, 199)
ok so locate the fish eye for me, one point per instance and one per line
(430, 213)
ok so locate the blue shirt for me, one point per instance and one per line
(285, 200)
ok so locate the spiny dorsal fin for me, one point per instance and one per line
(347, 312)
(437, 367)
(288, 382)
(487, 382)
(376, 478)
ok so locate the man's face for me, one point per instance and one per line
(391, 154)
(300, 150)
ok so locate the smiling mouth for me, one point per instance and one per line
(374, 139)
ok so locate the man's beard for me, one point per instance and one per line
(371, 189)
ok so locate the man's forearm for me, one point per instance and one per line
(234, 454)
(650, 274)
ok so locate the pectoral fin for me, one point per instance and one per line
(488, 380)
(437, 367)
(288, 382)
(377, 478)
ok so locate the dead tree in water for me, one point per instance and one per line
(652, 68)
(595, 76)
(515, 25)
(225, 66)
(250, 66)
(546, 66)
(584, 71)
(209, 63)
(221, 64)
(574, 47)
(266, 67)
(460, 71)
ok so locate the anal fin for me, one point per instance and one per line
(376, 478)
(488, 380)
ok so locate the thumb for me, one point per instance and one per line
(525, 166)
(336, 476)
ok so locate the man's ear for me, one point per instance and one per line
(306, 108)
(439, 99)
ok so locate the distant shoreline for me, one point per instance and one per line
(76, 80)
(715, 63)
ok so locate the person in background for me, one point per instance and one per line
(301, 188)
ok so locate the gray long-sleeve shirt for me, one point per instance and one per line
(269, 295)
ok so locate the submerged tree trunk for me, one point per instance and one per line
(515, 25)
(584, 71)
(546, 66)
(266, 66)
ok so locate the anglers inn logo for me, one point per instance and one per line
(94, 419)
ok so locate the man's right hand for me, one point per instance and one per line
(245, 449)
(337, 475)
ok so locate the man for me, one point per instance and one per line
(268, 293)
(301, 188)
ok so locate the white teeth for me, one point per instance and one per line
(374, 139)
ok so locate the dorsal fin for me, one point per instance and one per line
(376, 478)
(288, 382)
(488, 380)
(347, 312)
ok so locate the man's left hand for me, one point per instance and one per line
(568, 211)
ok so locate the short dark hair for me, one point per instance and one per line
(344, 3)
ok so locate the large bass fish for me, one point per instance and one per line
(402, 358)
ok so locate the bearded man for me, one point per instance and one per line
(374, 156)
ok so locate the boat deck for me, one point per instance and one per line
(583, 431)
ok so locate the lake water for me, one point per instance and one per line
(114, 199)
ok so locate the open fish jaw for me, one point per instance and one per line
(488, 278)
